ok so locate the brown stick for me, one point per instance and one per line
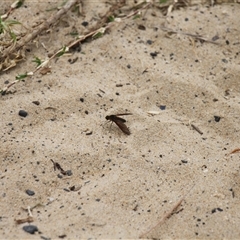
(167, 215)
(45, 25)
(164, 217)
(199, 37)
(197, 129)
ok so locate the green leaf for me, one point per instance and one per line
(61, 52)
(38, 61)
(11, 22)
(74, 33)
(111, 18)
(162, 1)
(97, 35)
(136, 16)
(21, 76)
(5, 26)
(13, 36)
(20, 3)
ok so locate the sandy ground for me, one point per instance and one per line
(122, 186)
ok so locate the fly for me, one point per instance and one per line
(120, 121)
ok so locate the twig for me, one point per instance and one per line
(167, 215)
(197, 129)
(165, 29)
(36, 32)
(164, 217)
(29, 211)
(237, 150)
(24, 220)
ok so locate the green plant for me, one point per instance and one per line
(38, 61)
(6, 27)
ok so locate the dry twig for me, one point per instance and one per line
(34, 33)
(196, 36)
(24, 220)
(197, 129)
(167, 215)
(237, 150)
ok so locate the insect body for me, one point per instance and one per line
(120, 121)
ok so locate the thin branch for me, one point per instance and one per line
(165, 29)
(36, 32)
(167, 215)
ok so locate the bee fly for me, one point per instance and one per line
(119, 121)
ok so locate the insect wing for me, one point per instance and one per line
(118, 119)
(122, 126)
(123, 114)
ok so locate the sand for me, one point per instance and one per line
(178, 157)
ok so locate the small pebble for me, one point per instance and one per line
(30, 229)
(30, 192)
(217, 118)
(162, 107)
(36, 102)
(22, 113)
(215, 38)
(153, 54)
(215, 209)
(69, 173)
(149, 42)
(141, 27)
(85, 23)
(62, 236)
(45, 238)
